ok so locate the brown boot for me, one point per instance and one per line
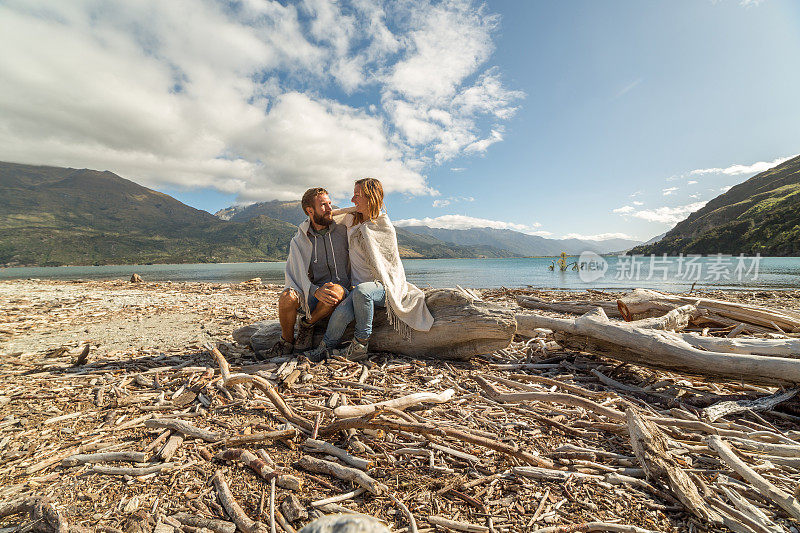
(305, 336)
(282, 347)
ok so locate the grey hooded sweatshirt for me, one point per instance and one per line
(330, 257)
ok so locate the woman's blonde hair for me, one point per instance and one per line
(373, 191)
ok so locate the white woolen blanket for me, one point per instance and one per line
(296, 272)
(405, 303)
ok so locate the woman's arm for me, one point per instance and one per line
(343, 211)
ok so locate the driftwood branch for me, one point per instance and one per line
(642, 303)
(785, 501)
(132, 471)
(44, 517)
(572, 307)
(593, 526)
(652, 451)
(346, 473)
(260, 467)
(718, 410)
(769, 347)
(218, 526)
(277, 400)
(234, 510)
(108, 457)
(347, 411)
(325, 447)
(429, 429)
(184, 428)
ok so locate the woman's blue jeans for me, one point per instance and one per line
(359, 305)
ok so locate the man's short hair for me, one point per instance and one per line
(308, 197)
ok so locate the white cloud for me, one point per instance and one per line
(597, 237)
(637, 193)
(467, 222)
(448, 42)
(694, 196)
(190, 93)
(629, 87)
(426, 93)
(482, 144)
(668, 215)
(638, 203)
(735, 170)
(443, 202)
(726, 188)
(624, 209)
(691, 182)
(458, 169)
(669, 190)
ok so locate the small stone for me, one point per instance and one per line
(132, 505)
(292, 509)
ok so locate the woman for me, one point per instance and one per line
(377, 276)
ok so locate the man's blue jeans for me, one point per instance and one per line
(359, 305)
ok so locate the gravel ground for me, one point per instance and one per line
(147, 359)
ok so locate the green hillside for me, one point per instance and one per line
(412, 245)
(56, 216)
(761, 215)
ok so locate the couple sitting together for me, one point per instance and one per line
(344, 269)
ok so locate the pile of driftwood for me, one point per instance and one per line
(575, 425)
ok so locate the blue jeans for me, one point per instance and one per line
(359, 305)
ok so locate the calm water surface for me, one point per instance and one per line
(674, 274)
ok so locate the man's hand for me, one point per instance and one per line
(330, 294)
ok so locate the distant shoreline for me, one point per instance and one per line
(6, 266)
(773, 273)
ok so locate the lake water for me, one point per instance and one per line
(673, 274)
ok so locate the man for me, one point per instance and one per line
(317, 273)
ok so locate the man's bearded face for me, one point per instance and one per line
(322, 211)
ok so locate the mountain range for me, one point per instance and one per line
(485, 242)
(411, 244)
(522, 244)
(53, 216)
(760, 215)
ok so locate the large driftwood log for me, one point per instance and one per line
(577, 307)
(463, 327)
(643, 303)
(594, 332)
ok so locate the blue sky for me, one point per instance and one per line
(579, 118)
